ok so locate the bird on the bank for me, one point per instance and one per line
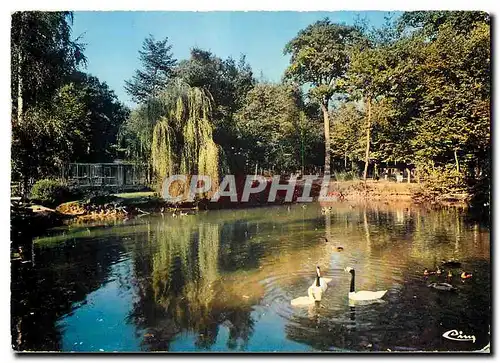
(314, 292)
(450, 274)
(362, 295)
(465, 275)
(340, 249)
(443, 286)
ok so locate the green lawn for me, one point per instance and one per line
(135, 195)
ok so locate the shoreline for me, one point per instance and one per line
(28, 221)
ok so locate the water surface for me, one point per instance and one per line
(223, 281)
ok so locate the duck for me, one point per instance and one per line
(314, 292)
(362, 295)
(428, 272)
(326, 210)
(340, 249)
(443, 286)
(465, 275)
(183, 214)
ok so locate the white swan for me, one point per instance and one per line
(314, 292)
(362, 295)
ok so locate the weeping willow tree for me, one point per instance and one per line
(182, 139)
(173, 133)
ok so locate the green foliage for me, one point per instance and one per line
(42, 55)
(228, 82)
(50, 192)
(60, 114)
(320, 57)
(80, 124)
(346, 175)
(429, 22)
(347, 132)
(182, 139)
(430, 88)
(158, 67)
(275, 132)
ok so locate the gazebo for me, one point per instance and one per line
(117, 174)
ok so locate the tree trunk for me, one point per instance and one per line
(19, 88)
(326, 122)
(456, 160)
(345, 161)
(409, 174)
(369, 121)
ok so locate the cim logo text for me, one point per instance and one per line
(459, 336)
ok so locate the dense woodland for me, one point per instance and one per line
(353, 98)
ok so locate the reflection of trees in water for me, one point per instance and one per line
(63, 276)
(239, 249)
(186, 291)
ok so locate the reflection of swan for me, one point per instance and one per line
(362, 295)
(314, 292)
(444, 286)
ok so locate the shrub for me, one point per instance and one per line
(50, 192)
(346, 175)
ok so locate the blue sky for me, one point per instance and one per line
(114, 38)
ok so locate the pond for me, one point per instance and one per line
(223, 281)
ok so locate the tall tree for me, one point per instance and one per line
(275, 132)
(367, 74)
(228, 82)
(158, 63)
(320, 59)
(42, 56)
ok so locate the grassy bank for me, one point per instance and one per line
(389, 191)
